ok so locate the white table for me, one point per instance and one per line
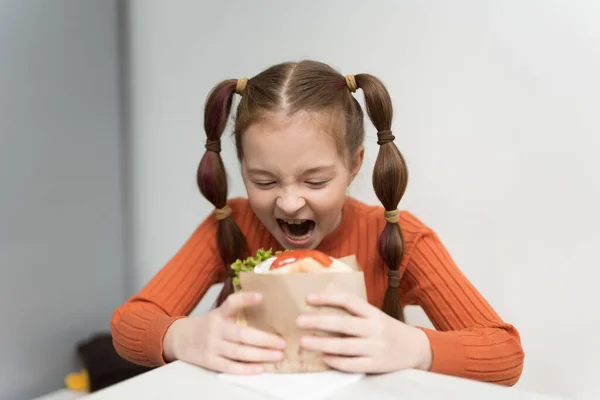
(62, 394)
(179, 380)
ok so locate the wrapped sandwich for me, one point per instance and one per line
(285, 279)
(289, 262)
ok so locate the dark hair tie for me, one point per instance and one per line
(393, 278)
(213, 145)
(384, 137)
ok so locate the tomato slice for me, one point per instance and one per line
(291, 256)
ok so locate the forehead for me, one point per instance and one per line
(291, 144)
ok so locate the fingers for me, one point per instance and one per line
(239, 301)
(234, 367)
(349, 364)
(253, 337)
(336, 346)
(347, 325)
(353, 304)
(240, 352)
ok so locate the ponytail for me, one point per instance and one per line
(390, 177)
(212, 179)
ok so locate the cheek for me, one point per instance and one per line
(261, 201)
(328, 203)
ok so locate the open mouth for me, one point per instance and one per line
(297, 231)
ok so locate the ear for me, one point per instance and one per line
(356, 161)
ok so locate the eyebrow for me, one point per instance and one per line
(320, 168)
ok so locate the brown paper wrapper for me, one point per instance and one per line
(284, 300)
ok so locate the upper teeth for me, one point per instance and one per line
(295, 221)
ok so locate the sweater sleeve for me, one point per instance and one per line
(470, 340)
(139, 325)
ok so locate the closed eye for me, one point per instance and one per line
(317, 184)
(265, 185)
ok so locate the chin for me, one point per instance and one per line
(310, 246)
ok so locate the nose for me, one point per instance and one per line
(290, 203)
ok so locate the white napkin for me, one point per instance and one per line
(313, 386)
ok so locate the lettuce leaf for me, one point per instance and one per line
(249, 263)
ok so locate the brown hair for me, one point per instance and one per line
(307, 86)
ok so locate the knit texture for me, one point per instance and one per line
(470, 340)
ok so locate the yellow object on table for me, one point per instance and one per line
(78, 381)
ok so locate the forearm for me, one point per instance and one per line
(492, 355)
(471, 340)
(423, 352)
(138, 331)
(139, 326)
(171, 339)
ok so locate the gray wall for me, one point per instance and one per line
(61, 248)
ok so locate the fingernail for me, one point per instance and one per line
(277, 355)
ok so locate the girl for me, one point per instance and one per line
(299, 137)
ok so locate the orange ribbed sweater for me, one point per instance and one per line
(470, 339)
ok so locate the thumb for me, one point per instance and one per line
(239, 301)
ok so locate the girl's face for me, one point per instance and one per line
(295, 176)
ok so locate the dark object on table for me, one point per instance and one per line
(104, 365)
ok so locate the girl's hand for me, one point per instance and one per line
(376, 342)
(214, 341)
